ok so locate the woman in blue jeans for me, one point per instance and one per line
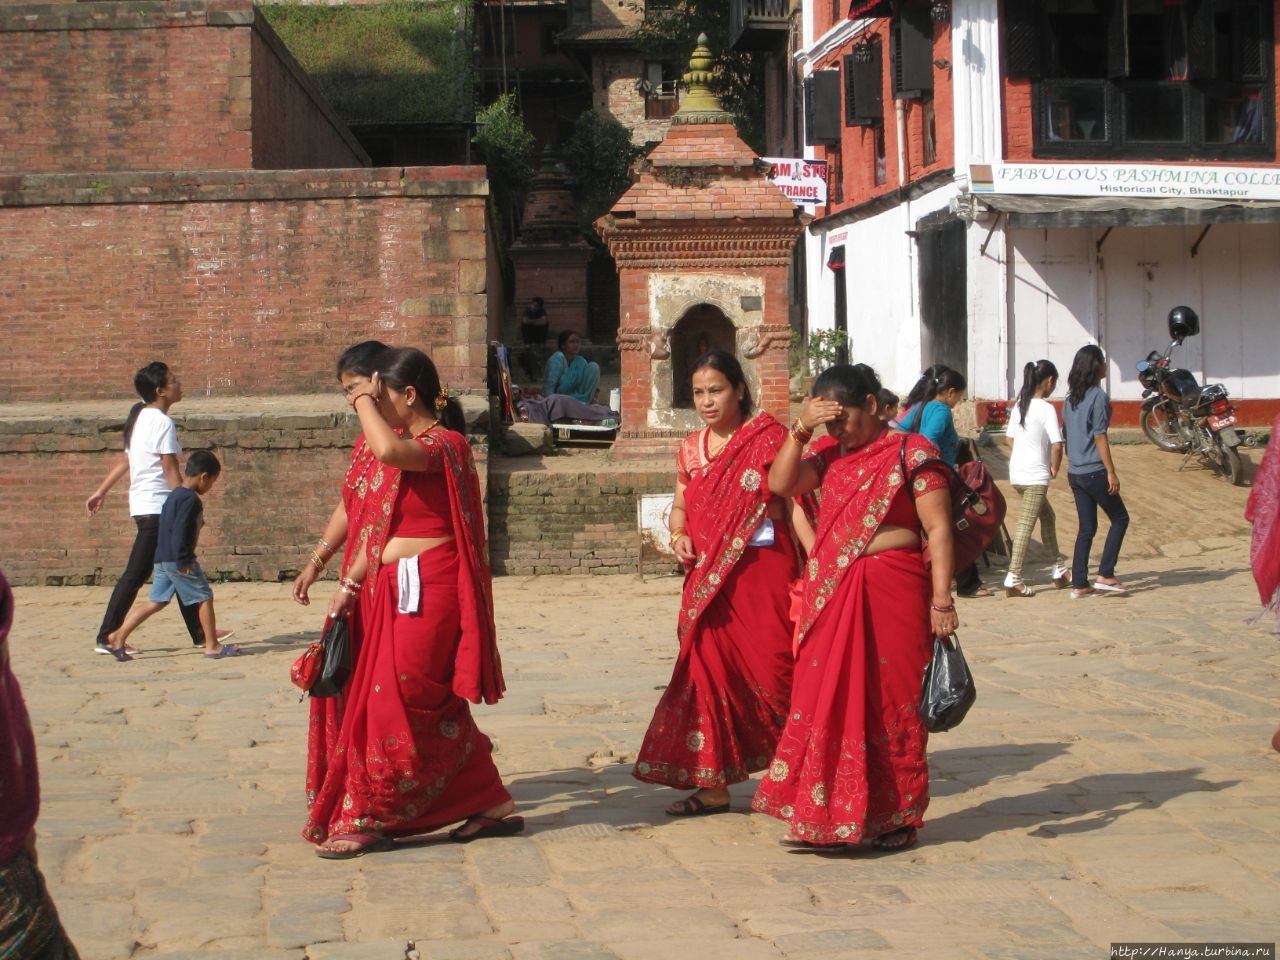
(1092, 473)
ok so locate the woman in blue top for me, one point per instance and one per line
(929, 406)
(928, 412)
(569, 372)
(1092, 473)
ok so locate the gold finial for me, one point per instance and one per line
(700, 105)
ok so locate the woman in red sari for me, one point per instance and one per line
(721, 714)
(355, 367)
(408, 757)
(850, 765)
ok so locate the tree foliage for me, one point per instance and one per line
(506, 146)
(670, 32)
(598, 157)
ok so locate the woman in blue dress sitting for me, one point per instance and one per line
(568, 372)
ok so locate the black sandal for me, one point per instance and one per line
(694, 806)
(901, 839)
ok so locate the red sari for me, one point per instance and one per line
(364, 475)
(721, 714)
(1263, 511)
(408, 758)
(851, 762)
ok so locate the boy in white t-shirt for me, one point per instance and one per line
(151, 463)
(1037, 454)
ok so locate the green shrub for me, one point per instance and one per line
(598, 156)
(506, 147)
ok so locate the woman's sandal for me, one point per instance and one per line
(901, 839)
(489, 827)
(695, 806)
(367, 843)
(1019, 589)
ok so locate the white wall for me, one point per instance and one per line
(1064, 293)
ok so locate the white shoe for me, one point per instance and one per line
(1061, 576)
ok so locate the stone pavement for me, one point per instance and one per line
(1114, 782)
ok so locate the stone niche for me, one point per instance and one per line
(695, 314)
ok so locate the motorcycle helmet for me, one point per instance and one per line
(1183, 323)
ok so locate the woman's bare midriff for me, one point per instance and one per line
(398, 548)
(892, 538)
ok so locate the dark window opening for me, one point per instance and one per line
(702, 328)
(882, 165)
(1158, 79)
(930, 123)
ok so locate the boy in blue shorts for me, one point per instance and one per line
(176, 570)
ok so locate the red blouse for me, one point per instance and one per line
(422, 508)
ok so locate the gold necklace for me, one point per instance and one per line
(712, 454)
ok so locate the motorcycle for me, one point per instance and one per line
(1181, 416)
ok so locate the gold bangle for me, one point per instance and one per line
(317, 561)
(350, 585)
(800, 423)
(326, 545)
(678, 532)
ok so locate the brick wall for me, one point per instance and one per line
(247, 283)
(577, 523)
(281, 479)
(282, 476)
(156, 86)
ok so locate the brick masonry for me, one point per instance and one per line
(246, 282)
(569, 523)
(282, 476)
(191, 85)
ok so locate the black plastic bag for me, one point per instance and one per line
(947, 692)
(335, 651)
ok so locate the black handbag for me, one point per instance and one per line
(335, 655)
(947, 692)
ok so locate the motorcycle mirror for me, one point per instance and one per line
(1143, 366)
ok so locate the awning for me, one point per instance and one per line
(862, 9)
(1043, 212)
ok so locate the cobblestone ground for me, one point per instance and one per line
(1113, 783)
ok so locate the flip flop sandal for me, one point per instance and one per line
(693, 806)
(1115, 588)
(369, 843)
(489, 827)
(901, 839)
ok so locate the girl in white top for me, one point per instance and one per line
(1037, 454)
